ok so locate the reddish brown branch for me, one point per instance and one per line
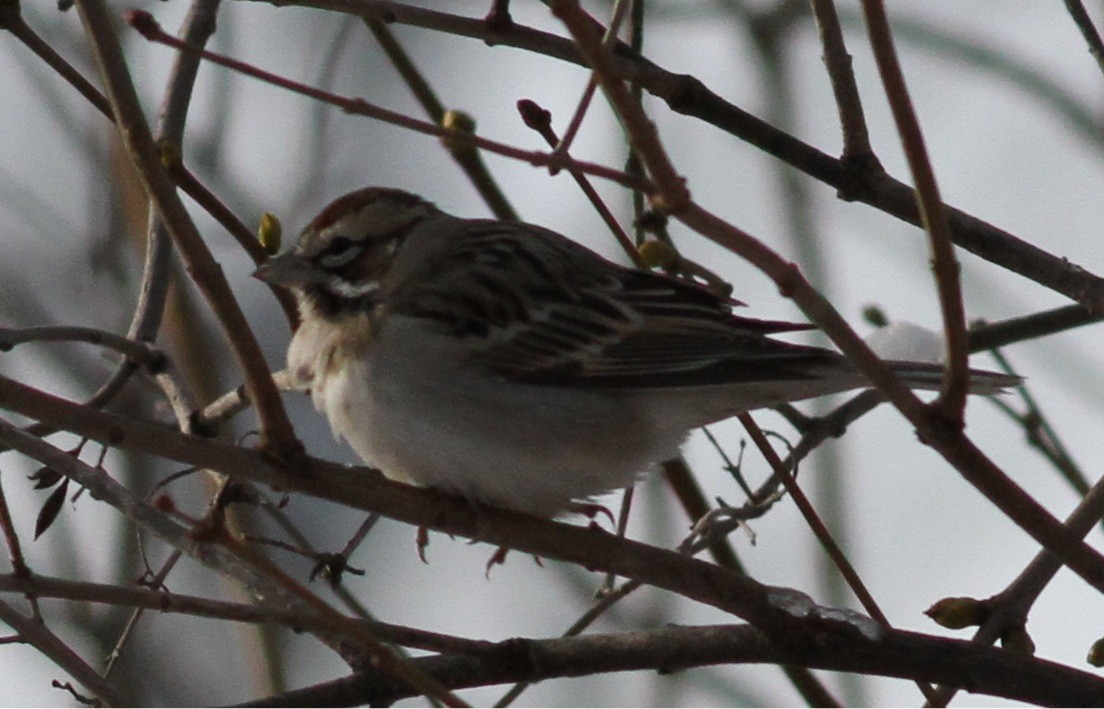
(956, 381)
(148, 27)
(932, 428)
(277, 434)
(856, 138)
(367, 490)
(862, 181)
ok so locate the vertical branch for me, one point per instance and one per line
(956, 382)
(277, 434)
(257, 643)
(856, 138)
(797, 216)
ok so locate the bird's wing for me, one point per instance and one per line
(534, 306)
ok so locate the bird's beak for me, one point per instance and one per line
(288, 269)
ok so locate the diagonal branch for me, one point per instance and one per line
(42, 639)
(277, 434)
(934, 429)
(689, 96)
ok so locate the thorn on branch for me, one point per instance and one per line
(421, 539)
(497, 559)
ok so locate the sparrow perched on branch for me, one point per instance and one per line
(507, 364)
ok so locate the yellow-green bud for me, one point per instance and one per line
(658, 254)
(958, 612)
(270, 233)
(1096, 654)
(458, 122)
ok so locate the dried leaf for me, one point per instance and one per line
(50, 509)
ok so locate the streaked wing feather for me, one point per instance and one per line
(538, 308)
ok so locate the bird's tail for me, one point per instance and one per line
(921, 375)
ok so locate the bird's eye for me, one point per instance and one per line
(340, 251)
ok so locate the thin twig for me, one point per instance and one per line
(142, 353)
(144, 23)
(200, 607)
(823, 535)
(1085, 24)
(948, 440)
(237, 400)
(36, 634)
(137, 613)
(1040, 433)
(989, 336)
(13, 22)
(689, 96)
(956, 380)
(15, 551)
(1011, 605)
(670, 194)
(856, 139)
(276, 431)
(540, 120)
(563, 146)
